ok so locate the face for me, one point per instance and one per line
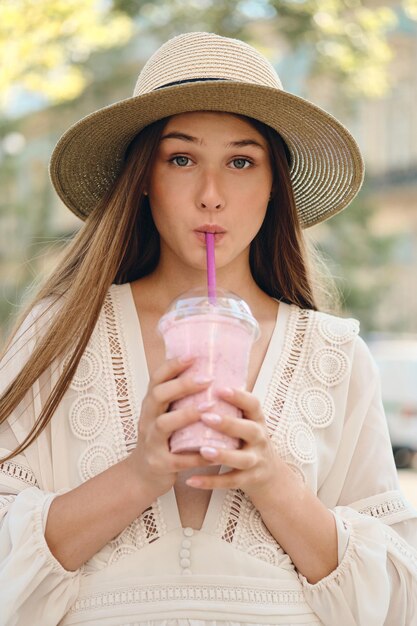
(211, 173)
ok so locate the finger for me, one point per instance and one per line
(244, 400)
(185, 461)
(228, 480)
(236, 459)
(172, 390)
(165, 462)
(251, 432)
(169, 422)
(170, 369)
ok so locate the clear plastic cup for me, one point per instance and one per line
(219, 333)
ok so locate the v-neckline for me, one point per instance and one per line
(137, 358)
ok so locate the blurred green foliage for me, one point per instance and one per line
(53, 40)
(44, 44)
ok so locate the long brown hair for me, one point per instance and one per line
(119, 243)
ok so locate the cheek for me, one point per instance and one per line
(161, 218)
(255, 189)
(254, 205)
(166, 197)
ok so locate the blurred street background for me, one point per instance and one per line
(62, 59)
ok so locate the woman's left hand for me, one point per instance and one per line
(256, 466)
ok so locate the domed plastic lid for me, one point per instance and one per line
(197, 302)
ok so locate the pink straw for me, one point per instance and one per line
(211, 268)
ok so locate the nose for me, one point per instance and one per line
(210, 197)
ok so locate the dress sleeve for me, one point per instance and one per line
(375, 582)
(34, 587)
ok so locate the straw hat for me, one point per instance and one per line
(204, 71)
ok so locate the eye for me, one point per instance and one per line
(240, 163)
(179, 160)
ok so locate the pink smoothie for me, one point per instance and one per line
(221, 344)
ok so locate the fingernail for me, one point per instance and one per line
(202, 380)
(203, 406)
(226, 391)
(193, 482)
(209, 451)
(211, 418)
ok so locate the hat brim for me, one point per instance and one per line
(326, 169)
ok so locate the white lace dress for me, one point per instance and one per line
(320, 394)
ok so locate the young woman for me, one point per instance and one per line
(101, 523)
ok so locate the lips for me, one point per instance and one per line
(201, 236)
(210, 228)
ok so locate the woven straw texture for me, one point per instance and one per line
(326, 164)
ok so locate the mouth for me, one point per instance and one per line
(218, 232)
(210, 228)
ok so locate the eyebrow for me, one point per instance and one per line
(242, 143)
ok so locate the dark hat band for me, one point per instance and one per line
(188, 80)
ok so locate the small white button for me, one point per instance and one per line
(185, 554)
(185, 562)
(186, 543)
(188, 532)
(186, 571)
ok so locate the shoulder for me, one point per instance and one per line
(32, 323)
(330, 329)
(28, 331)
(329, 345)
(319, 328)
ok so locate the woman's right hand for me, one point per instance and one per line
(153, 463)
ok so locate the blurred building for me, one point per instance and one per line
(387, 132)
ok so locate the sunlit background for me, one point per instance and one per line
(62, 59)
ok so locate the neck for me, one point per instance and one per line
(168, 281)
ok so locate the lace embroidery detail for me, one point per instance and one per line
(282, 377)
(301, 442)
(102, 380)
(264, 552)
(88, 416)
(317, 407)
(5, 501)
(404, 549)
(122, 550)
(87, 372)
(298, 399)
(298, 402)
(96, 459)
(338, 331)
(150, 525)
(241, 524)
(191, 592)
(258, 528)
(291, 434)
(236, 501)
(127, 412)
(19, 472)
(329, 366)
(383, 509)
(104, 415)
(309, 623)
